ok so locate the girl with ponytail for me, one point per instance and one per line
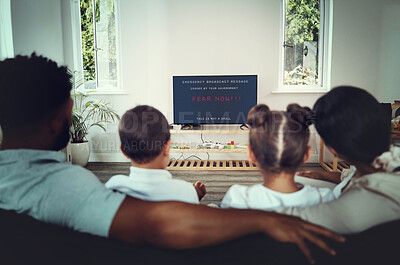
(278, 146)
(352, 124)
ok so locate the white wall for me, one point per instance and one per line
(390, 53)
(188, 37)
(366, 41)
(162, 38)
(356, 43)
(37, 28)
(165, 38)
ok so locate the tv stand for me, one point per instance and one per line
(210, 164)
(244, 126)
(191, 127)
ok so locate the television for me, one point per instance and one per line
(213, 99)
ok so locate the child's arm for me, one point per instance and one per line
(327, 176)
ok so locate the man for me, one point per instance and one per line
(35, 115)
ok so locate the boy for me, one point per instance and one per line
(145, 140)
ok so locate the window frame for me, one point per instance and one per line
(324, 57)
(6, 40)
(77, 49)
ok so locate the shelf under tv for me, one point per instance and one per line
(236, 150)
(211, 165)
(210, 131)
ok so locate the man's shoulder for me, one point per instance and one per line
(37, 163)
(72, 169)
(72, 175)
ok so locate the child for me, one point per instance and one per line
(278, 146)
(145, 140)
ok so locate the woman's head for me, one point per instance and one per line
(279, 140)
(353, 123)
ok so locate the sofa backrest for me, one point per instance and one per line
(24, 240)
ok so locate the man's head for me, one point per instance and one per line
(144, 134)
(35, 101)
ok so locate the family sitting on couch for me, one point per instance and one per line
(35, 115)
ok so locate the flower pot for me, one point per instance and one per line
(80, 153)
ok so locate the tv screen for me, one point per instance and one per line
(213, 99)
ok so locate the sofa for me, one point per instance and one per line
(24, 240)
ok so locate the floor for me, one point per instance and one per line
(217, 182)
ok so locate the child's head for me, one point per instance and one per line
(279, 139)
(144, 134)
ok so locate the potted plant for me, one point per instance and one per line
(86, 114)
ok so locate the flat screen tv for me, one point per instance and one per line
(213, 99)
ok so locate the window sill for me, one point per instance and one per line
(297, 90)
(107, 92)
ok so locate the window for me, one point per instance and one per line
(99, 43)
(305, 44)
(6, 38)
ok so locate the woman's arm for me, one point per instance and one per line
(179, 225)
(327, 176)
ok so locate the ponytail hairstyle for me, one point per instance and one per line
(279, 140)
(353, 123)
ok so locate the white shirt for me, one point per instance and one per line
(153, 185)
(262, 198)
(347, 175)
(39, 183)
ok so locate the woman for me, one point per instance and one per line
(351, 122)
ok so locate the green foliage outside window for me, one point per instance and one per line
(302, 25)
(88, 43)
(302, 21)
(87, 30)
(112, 39)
